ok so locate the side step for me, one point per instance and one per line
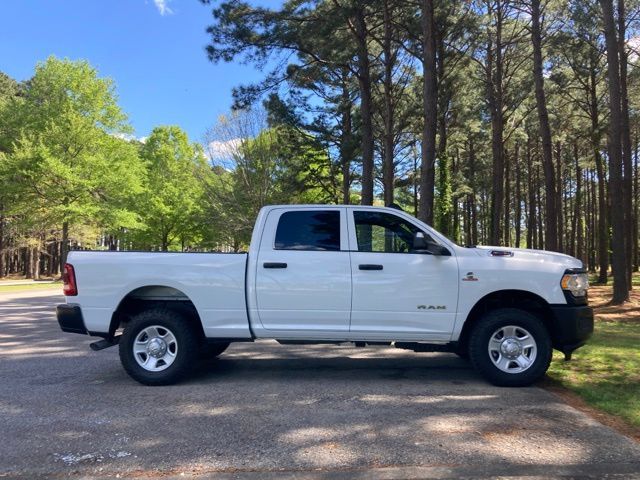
(424, 347)
(105, 343)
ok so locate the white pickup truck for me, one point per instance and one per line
(332, 274)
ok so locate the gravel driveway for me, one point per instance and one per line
(265, 409)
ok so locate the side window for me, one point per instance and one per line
(383, 232)
(308, 230)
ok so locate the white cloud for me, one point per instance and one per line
(163, 7)
(128, 137)
(223, 150)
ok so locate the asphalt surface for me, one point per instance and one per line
(264, 410)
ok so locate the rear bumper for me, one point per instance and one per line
(70, 318)
(572, 326)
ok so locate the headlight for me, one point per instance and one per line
(576, 283)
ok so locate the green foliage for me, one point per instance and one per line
(65, 165)
(9, 88)
(172, 199)
(9, 95)
(444, 203)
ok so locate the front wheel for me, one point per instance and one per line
(510, 347)
(159, 347)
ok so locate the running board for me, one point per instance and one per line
(105, 343)
(424, 347)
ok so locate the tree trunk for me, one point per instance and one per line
(603, 237)
(55, 260)
(64, 245)
(456, 204)
(531, 225)
(551, 237)
(591, 219)
(507, 200)
(636, 206)
(578, 217)
(573, 223)
(472, 199)
(388, 166)
(618, 258)
(35, 263)
(346, 143)
(626, 141)
(26, 262)
(496, 106)
(366, 106)
(558, 202)
(430, 112)
(541, 232)
(518, 210)
(467, 220)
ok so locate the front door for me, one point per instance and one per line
(396, 291)
(303, 277)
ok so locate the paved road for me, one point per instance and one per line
(314, 412)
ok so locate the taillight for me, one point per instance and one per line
(69, 287)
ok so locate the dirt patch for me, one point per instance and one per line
(599, 298)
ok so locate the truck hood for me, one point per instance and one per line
(533, 255)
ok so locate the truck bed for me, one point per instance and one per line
(214, 282)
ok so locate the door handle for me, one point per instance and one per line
(274, 265)
(369, 266)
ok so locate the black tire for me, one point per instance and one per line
(187, 346)
(462, 354)
(492, 322)
(212, 350)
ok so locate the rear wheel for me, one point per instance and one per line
(510, 347)
(159, 347)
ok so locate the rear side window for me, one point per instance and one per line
(309, 230)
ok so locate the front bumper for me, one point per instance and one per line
(70, 318)
(572, 326)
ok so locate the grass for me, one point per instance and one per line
(606, 372)
(29, 287)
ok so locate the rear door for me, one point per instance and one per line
(399, 293)
(303, 277)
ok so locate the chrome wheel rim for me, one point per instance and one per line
(155, 348)
(512, 349)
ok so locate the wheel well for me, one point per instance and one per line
(151, 296)
(505, 299)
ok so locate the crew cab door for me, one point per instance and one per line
(399, 293)
(303, 277)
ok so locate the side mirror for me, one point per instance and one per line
(420, 242)
(423, 245)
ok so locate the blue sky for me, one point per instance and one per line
(152, 49)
